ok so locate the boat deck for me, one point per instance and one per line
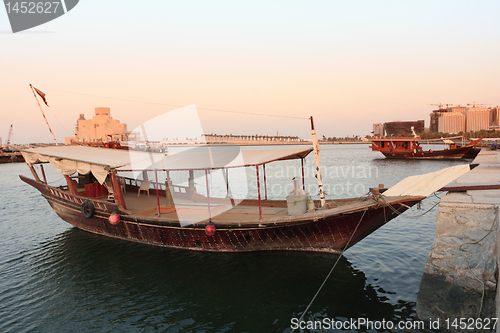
(222, 210)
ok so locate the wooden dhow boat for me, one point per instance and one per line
(410, 148)
(101, 196)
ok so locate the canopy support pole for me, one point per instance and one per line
(303, 181)
(258, 191)
(33, 171)
(117, 190)
(228, 193)
(265, 183)
(191, 189)
(168, 192)
(157, 193)
(227, 182)
(43, 174)
(208, 197)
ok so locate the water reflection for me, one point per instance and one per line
(86, 280)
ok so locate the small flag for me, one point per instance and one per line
(42, 95)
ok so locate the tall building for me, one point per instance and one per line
(102, 127)
(378, 130)
(478, 118)
(495, 118)
(451, 122)
(463, 119)
(395, 128)
(434, 123)
(461, 109)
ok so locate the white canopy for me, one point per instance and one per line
(84, 159)
(201, 158)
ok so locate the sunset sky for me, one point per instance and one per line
(348, 63)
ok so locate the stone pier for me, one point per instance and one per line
(463, 263)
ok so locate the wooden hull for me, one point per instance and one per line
(450, 154)
(322, 231)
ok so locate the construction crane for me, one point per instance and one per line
(474, 104)
(440, 105)
(10, 134)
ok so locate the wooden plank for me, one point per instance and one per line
(426, 184)
(470, 187)
(464, 187)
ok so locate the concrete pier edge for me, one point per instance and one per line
(463, 262)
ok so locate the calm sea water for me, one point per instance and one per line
(55, 278)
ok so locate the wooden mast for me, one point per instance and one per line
(316, 149)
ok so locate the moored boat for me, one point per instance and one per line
(410, 148)
(101, 199)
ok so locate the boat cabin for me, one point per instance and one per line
(396, 145)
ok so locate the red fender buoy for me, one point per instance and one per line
(114, 219)
(210, 229)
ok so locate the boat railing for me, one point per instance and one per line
(62, 192)
(178, 189)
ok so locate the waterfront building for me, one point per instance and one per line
(477, 118)
(101, 128)
(451, 122)
(495, 118)
(459, 109)
(463, 119)
(395, 128)
(378, 129)
(434, 123)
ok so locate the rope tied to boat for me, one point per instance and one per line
(384, 198)
(333, 267)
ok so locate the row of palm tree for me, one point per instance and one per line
(231, 137)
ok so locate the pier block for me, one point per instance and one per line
(464, 256)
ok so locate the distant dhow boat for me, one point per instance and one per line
(101, 196)
(409, 148)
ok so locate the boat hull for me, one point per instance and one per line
(317, 233)
(450, 154)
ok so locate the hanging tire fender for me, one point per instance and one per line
(88, 209)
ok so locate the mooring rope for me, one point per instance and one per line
(412, 217)
(331, 270)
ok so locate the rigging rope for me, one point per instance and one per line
(176, 106)
(331, 270)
